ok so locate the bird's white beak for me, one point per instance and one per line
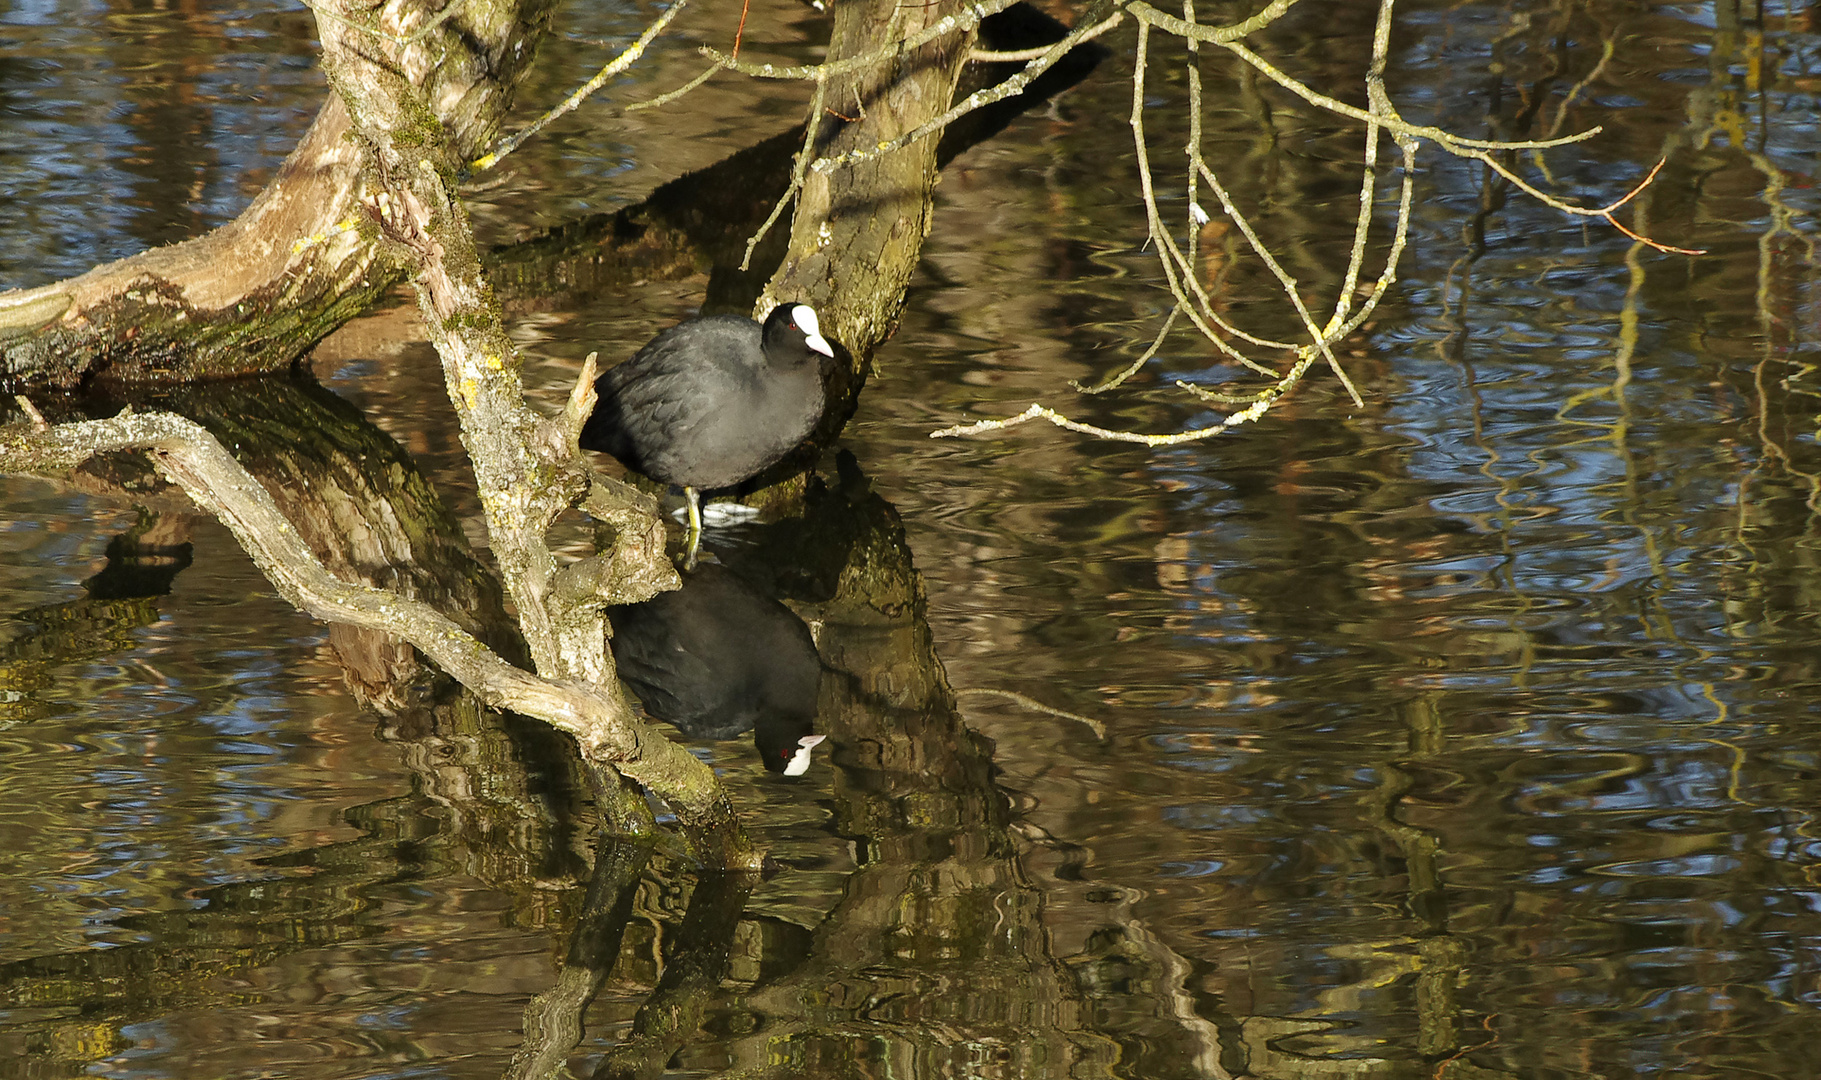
(805, 318)
(799, 761)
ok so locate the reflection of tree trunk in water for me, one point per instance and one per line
(553, 1019)
(353, 494)
(893, 716)
(940, 901)
(695, 962)
(512, 788)
(255, 293)
(122, 598)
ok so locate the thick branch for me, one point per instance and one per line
(256, 293)
(525, 466)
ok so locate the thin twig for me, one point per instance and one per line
(1132, 368)
(1019, 56)
(618, 64)
(1607, 51)
(1192, 147)
(667, 98)
(1400, 236)
(1318, 341)
(740, 33)
(1150, 16)
(1368, 186)
(976, 100)
(1475, 149)
(965, 19)
(1200, 310)
(799, 168)
(1260, 405)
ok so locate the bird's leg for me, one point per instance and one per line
(695, 528)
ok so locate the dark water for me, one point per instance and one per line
(1473, 731)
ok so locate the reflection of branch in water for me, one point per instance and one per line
(694, 965)
(1097, 727)
(553, 1019)
(598, 717)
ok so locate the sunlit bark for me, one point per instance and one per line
(256, 293)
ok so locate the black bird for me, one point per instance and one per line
(718, 658)
(713, 401)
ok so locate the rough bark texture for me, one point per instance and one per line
(525, 466)
(359, 501)
(701, 221)
(256, 293)
(858, 229)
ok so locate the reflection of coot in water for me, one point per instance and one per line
(713, 401)
(718, 658)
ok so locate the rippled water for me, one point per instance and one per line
(1469, 731)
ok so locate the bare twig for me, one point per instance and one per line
(667, 98)
(799, 168)
(1368, 187)
(965, 19)
(1201, 309)
(976, 100)
(1131, 369)
(987, 56)
(1097, 727)
(626, 59)
(1227, 39)
(1260, 404)
(1349, 312)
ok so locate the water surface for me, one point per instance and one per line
(1471, 729)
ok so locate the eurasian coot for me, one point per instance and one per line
(718, 658)
(713, 401)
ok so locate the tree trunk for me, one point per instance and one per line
(859, 228)
(525, 465)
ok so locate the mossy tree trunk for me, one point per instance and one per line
(859, 228)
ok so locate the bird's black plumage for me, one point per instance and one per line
(715, 400)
